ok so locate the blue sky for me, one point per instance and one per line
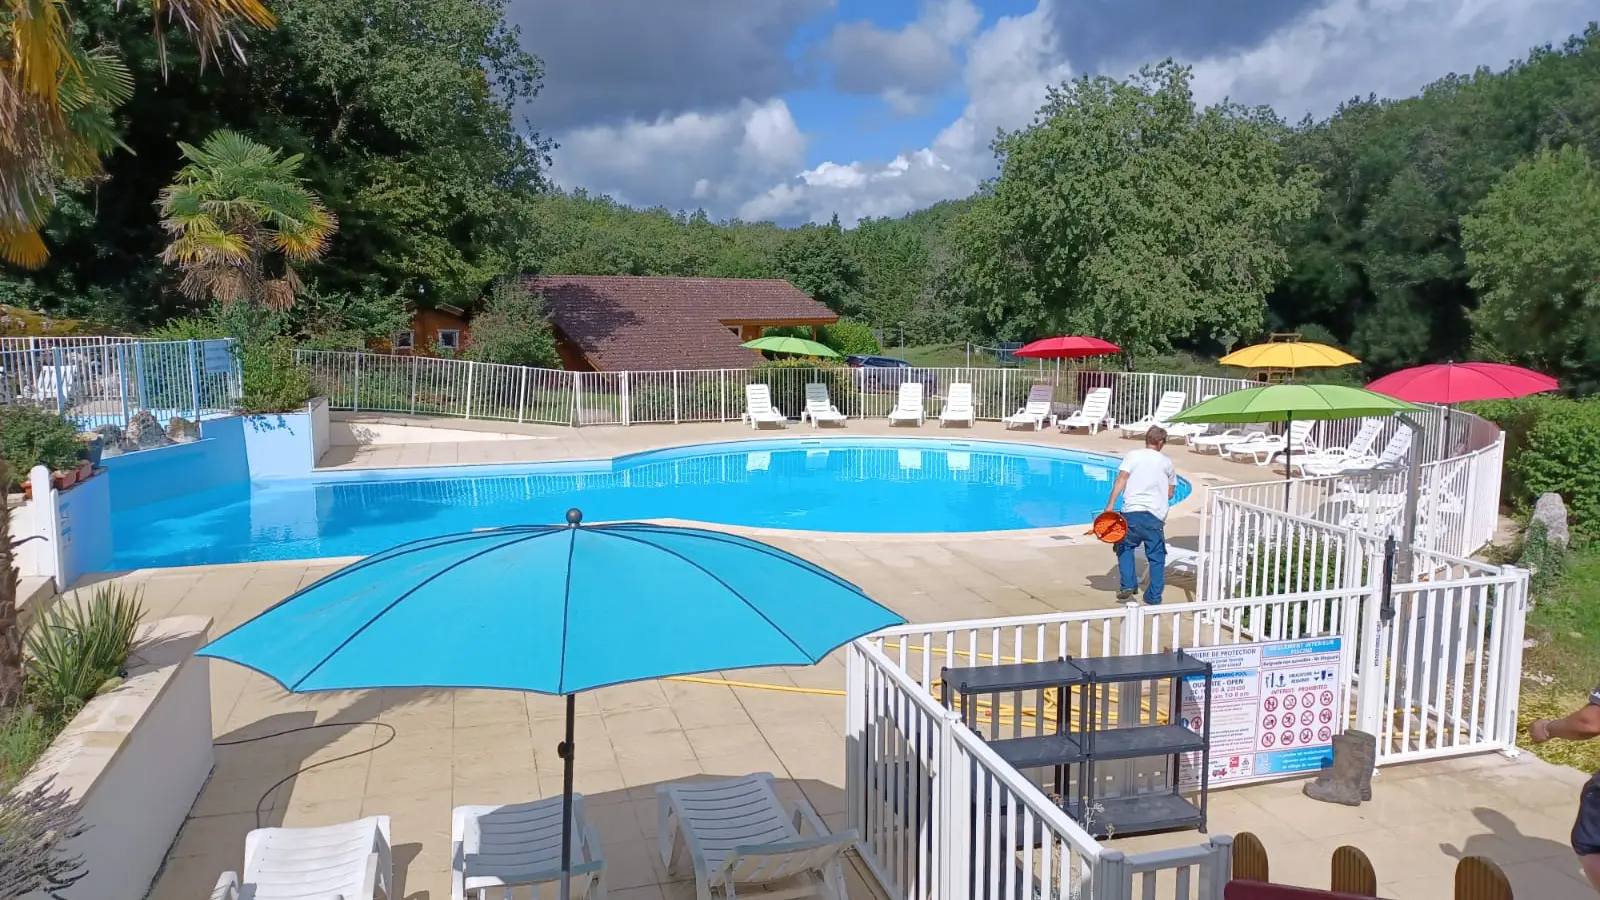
(796, 110)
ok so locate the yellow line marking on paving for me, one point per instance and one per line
(756, 685)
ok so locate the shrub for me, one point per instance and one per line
(272, 381)
(35, 828)
(1550, 448)
(189, 328)
(789, 387)
(513, 329)
(32, 437)
(848, 336)
(75, 649)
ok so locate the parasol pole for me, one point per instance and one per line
(1413, 493)
(1288, 461)
(565, 750)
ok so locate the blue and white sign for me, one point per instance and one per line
(1275, 707)
(216, 357)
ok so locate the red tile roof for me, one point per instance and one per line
(643, 323)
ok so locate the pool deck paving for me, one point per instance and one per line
(432, 750)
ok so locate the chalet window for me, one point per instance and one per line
(403, 340)
(449, 339)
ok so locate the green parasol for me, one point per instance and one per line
(797, 346)
(1288, 402)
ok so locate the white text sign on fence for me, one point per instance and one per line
(1274, 708)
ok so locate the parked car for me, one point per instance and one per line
(887, 373)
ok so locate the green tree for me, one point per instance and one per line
(513, 329)
(241, 219)
(1124, 212)
(57, 94)
(1533, 245)
(817, 259)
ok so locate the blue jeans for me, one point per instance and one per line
(1145, 530)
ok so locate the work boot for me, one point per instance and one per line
(1342, 782)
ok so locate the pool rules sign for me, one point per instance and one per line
(1275, 706)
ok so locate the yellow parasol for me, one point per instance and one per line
(1289, 355)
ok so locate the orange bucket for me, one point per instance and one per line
(1110, 527)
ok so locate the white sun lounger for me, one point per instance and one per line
(1171, 404)
(738, 837)
(819, 408)
(758, 407)
(1036, 410)
(1096, 404)
(1261, 448)
(1360, 446)
(908, 405)
(351, 860)
(958, 405)
(1394, 453)
(496, 848)
(52, 385)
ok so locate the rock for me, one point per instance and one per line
(183, 431)
(145, 433)
(1552, 511)
(113, 440)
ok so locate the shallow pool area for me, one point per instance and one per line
(854, 485)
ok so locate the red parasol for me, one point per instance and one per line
(1451, 383)
(1067, 348)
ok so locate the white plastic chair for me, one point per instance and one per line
(958, 405)
(1040, 398)
(1096, 404)
(908, 405)
(1394, 453)
(1171, 404)
(819, 408)
(1261, 448)
(759, 409)
(1359, 447)
(351, 860)
(496, 848)
(738, 837)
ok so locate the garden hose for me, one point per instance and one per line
(296, 773)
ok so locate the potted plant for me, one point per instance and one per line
(62, 480)
(94, 445)
(85, 469)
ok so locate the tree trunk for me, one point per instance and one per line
(10, 633)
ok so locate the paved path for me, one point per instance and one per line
(450, 748)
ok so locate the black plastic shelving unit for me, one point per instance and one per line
(1084, 742)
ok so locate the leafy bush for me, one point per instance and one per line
(513, 329)
(848, 336)
(1550, 447)
(272, 381)
(789, 388)
(189, 328)
(31, 437)
(75, 649)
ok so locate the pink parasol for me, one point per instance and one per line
(1451, 383)
(1067, 348)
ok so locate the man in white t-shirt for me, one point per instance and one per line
(1146, 483)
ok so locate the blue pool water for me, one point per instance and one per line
(838, 485)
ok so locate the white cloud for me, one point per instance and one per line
(903, 66)
(745, 160)
(715, 159)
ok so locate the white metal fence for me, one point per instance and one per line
(99, 381)
(1432, 669)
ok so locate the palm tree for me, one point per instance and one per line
(240, 218)
(56, 98)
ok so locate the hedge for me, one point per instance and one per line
(1552, 445)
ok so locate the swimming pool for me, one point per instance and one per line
(827, 484)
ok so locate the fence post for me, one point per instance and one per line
(577, 399)
(677, 415)
(138, 375)
(1111, 877)
(1510, 686)
(952, 791)
(722, 386)
(194, 382)
(1217, 870)
(122, 381)
(416, 363)
(56, 363)
(522, 395)
(625, 395)
(471, 369)
(355, 399)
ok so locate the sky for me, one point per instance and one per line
(797, 110)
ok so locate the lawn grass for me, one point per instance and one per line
(1563, 666)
